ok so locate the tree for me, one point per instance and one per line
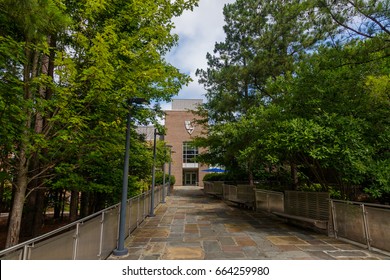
(363, 19)
(34, 22)
(339, 86)
(70, 67)
(317, 83)
(263, 41)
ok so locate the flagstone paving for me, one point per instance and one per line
(193, 226)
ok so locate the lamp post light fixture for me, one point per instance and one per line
(121, 250)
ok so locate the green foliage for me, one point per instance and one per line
(379, 178)
(67, 72)
(334, 193)
(297, 87)
(215, 177)
(172, 180)
(136, 187)
(6, 192)
(159, 178)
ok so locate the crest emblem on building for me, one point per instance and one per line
(189, 127)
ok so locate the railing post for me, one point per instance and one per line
(334, 218)
(138, 210)
(101, 235)
(25, 252)
(159, 195)
(145, 206)
(163, 188)
(76, 241)
(130, 204)
(366, 231)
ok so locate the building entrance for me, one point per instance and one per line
(190, 178)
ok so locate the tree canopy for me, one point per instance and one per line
(68, 70)
(298, 93)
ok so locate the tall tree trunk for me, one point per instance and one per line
(15, 218)
(27, 224)
(18, 203)
(57, 204)
(251, 179)
(39, 212)
(100, 202)
(38, 218)
(84, 204)
(32, 219)
(91, 202)
(63, 201)
(74, 204)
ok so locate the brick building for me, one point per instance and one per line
(180, 131)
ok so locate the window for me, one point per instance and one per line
(189, 152)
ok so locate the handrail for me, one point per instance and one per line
(362, 203)
(55, 231)
(70, 225)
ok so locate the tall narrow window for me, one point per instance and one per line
(189, 152)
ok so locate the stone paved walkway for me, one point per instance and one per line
(192, 226)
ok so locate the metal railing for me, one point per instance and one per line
(91, 238)
(269, 201)
(213, 188)
(242, 194)
(229, 192)
(362, 223)
(246, 193)
(259, 198)
(313, 205)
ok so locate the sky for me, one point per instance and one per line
(198, 32)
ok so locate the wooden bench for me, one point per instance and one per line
(321, 224)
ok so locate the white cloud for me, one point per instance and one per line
(198, 31)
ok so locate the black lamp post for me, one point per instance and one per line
(163, 168)
(121, 250)
(169, 169)
(151, 213)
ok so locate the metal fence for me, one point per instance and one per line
(213, 188)
(362, 223)
(246, 194)
(91, 238)
(313, 205)
(242, 194)
(269, 200)
(229, 192)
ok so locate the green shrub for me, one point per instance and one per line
(215, 177)
(159, 178)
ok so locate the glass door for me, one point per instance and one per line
(190, 178)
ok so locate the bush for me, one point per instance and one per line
(215, 177)
(159, 178)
